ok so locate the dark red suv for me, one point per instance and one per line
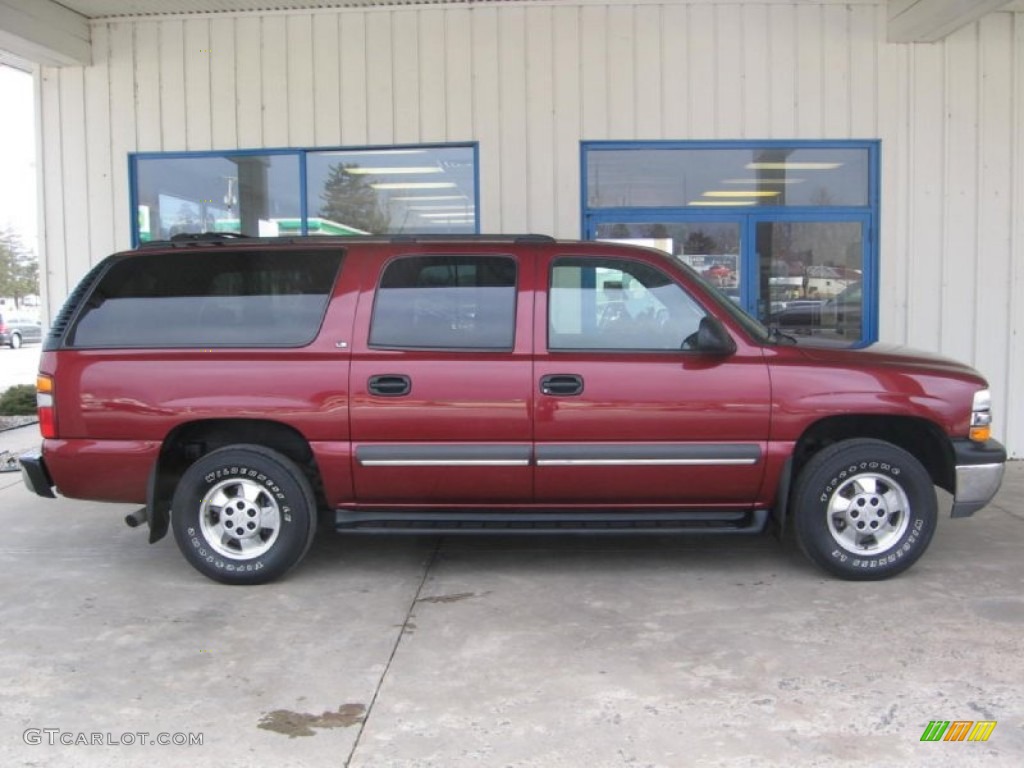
(240, 388)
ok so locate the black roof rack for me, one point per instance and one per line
(189, 239)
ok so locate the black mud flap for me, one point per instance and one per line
(781, 510)
(158, 505)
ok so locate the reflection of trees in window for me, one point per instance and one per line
(722, 240)
(350, 200)
(655, 231)
(698, 243)
(186, 219)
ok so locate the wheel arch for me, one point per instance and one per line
(188, 442)
(921, 438)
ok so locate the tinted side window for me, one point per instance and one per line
(446, 302)
(619, 305)
(209, 299)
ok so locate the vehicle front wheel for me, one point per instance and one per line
(15, 341)
(243, 514)
(864, 509)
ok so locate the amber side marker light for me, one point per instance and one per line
(981, 416)
(44, 406)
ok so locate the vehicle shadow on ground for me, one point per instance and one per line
(748, 556)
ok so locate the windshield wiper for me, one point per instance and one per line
(777, 335)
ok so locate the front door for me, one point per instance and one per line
(625, 413)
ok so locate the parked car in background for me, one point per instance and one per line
(16, 328)
(841, 315)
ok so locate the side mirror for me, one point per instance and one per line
(713, 339)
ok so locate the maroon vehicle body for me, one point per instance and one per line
(720, 432)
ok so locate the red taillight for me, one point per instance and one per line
(44, 406)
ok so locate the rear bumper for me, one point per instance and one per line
(979, 473)
(35, 475)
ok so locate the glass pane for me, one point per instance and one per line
(446, 302)
(214, 298)
(712, 248)
(392, 191)
(621, 305)
(810, 277)
(250, 194)
(741, 177)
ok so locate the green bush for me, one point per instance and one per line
(19, 400)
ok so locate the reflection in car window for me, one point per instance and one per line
(446, 302)
(617, 304)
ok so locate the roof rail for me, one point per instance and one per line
(190, 239)
(492, 238)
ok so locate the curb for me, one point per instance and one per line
(18, 426)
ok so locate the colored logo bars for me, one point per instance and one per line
(958, 730)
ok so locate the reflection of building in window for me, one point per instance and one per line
(293, 226)
(412, 190)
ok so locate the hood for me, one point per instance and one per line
(881, 354)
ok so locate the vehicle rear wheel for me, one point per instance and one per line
(15, 340)
(243, 514)
(864, 509)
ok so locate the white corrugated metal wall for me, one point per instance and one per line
(530, 81)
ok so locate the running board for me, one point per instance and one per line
(482, 522)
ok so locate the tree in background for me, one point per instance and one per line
(19, 270)
(350, 200)
(700, 243)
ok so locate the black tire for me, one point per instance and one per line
(15, 341)
(243, 514)
(864, 509)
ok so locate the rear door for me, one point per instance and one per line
(441, 394)
(625, 412)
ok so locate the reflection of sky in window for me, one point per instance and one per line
(681, 177)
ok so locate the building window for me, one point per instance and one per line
(446, 302)
(787, 230)
(394, 190)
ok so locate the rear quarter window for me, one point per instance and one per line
(209, 299)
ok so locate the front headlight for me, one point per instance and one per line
(981, 416)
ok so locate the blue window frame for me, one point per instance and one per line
(787, 229)
(413, 189)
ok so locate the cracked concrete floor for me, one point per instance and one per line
(449, 652)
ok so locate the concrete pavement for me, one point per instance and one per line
(449, 652)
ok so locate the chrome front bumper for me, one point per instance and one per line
(979, 473)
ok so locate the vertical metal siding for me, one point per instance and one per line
(529, 82)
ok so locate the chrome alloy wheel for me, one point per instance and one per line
(240, 519)
(868, 514)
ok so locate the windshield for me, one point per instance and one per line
(759, 332)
